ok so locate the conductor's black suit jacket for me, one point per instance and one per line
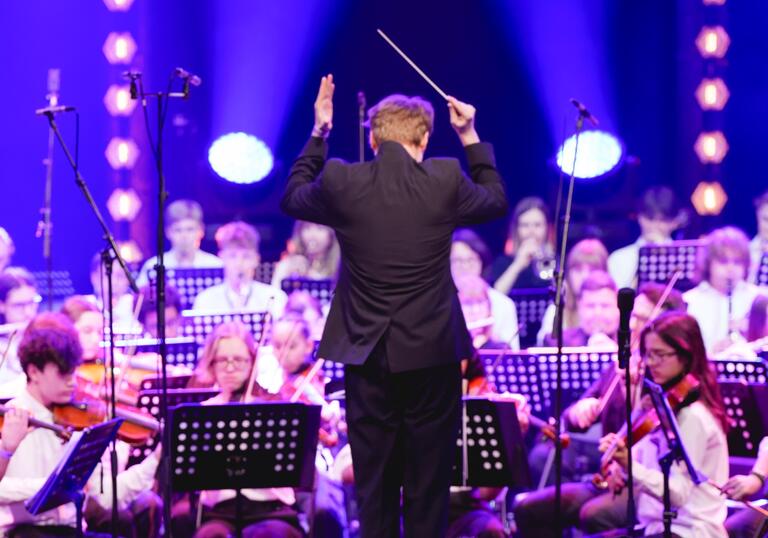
(394, 218)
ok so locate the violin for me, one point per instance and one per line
(646, 423)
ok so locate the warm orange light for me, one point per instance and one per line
(712, 94)
(123, 205)
(713, 42)
(122, 153)
(709, 198)
(118, 100)
(119, 48)
(130, 251)
(711, 147)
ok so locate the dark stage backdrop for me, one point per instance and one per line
(633, 63)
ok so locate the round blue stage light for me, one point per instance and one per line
(240, 158)
(599, 154)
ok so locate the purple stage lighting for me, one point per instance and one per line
(240, 158)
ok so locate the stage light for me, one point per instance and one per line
(713, 2)
(598, 154)
(119, 48)
(118, 100)
(130, 252)
(122, 153)
(713, 42)
(712, 94)
(711, 147)
(118, 5)
(709, 198)
(124, 205)
(240, 158)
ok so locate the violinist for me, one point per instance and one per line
(228, 357)
(672, 348)
(15, 426)
(584, 505)
(49, 353)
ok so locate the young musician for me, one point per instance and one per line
(228, 357)
(49, 353)
(15, 426)
(19, 301)
(528, 261)
(122, 298)
(313, 252)
(672, 348)
(148, 312)
(185, 229)
(746, 523)
(476, 304)
(758, 246)
(584, 257)
(658, 215)
(585, 506)
(597, 312)
(469, 257)
(89, 324)
(239, 250)
(395, 320)
(723, 297)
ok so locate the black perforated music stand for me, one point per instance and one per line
(239, 446)
(189, 282)
(762, 271)
(149, 401)
(495, 453)
(746, 405)
(198, 324)
(531, 304)
(322, 289)
(180, 351)
(532, 373)
(66, 483)
(174, 382)
(749, 370)
(657, 263)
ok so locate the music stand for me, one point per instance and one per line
(322, 290)
(748, 370)
(81, 456)
(675, 451)
(746, 405)
(189, 282)
(495, 454)
(657, 263)
(531, 305)
(62, 283)
(198, 324)
(180, 351)
(239, 446)
(264, 272)
(762, 271)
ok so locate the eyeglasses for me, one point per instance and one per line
(36, 300)
(660, 356)
(237, 363)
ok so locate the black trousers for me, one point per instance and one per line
(402, 431)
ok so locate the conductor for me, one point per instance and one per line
(395, 320)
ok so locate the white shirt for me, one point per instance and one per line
(213, 497)
(10, 370)
(622, 264)
(256, 298)
(38, 455)
(201, 260)
(504, 312)
(710, 308)
(701, 510)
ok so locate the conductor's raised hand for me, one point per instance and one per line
(463, 121)
(324, 107)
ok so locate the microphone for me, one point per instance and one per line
(54, 109)
(188, 77)
(361, 100)
(584, 113)
(625, 302)
(133, 76)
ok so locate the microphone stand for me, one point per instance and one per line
(111, 253)
(624, 355)
(558, 328)
(361, 125)
(162, 195)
